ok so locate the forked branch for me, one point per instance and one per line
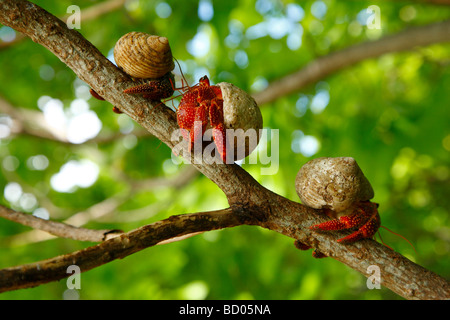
(250, 203)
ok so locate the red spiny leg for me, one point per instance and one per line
(219, 137)
(368, 230)
(366, 219)
(217, 92)
(370, 225)
(157, 89)
(332, 225)
(219, 132)
(204, 81)
(186, 118)
(199, 126)
(152, 90)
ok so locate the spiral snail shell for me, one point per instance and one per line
(144, 56)
(333, 183)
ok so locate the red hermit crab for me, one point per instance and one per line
(203, 103)
(338, 186)
(232, 114)
(148, 59)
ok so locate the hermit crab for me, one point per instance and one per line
(339, 187)
(232, 114)
(148, 59)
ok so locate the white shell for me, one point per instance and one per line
(242, 114)
(334, 183)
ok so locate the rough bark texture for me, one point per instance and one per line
(250, 203)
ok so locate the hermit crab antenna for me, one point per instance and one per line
(400, 237)
(184, 83)
(185, 88)
(384, 243)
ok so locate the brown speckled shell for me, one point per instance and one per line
(143, 56)
(240, 111)
(334, 183)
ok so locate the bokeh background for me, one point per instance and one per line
(68, 157)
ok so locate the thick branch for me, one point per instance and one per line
(322, 67)
(247, 198)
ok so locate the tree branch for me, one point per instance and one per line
(89, 13)
(32, 123)
(119, 247)
(324, 66)
(250, 203)
(103, 209)
(57, 228)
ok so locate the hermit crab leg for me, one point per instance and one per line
(368, 230)
(219, 132)
(366, 219)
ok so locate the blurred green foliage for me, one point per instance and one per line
(390, 113)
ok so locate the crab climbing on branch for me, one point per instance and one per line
(200, 107)
(148, 60)
(340, 189)
(231, 113)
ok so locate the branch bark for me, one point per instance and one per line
(57, 228)
(119, 247)
(90, 13)
(250, 203)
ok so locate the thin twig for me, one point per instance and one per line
(32, 123)
(331, 63)
(57, 228)
(103, 209)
